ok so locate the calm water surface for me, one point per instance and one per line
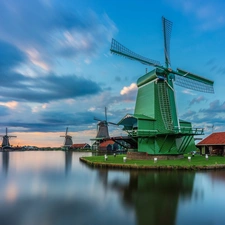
(55, 188)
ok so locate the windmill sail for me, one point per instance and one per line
(193, 81)
(119, 49)
(167, 29)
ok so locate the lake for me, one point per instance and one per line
(55, 188)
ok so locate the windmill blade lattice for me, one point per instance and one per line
(193, 82)
(95, 118)
(119, 49)
(105, 114)
(167, 29)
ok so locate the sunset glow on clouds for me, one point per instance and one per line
(57, 70)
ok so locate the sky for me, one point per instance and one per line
(57, 71)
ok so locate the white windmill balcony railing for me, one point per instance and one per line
(189, 130)
(136, 133)
(182, 130)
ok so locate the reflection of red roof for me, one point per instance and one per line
(214, 139)
(79, 145)
(106, 143)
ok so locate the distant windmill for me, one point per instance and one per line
(5, 139)
(68, 142)
(102, 131)
(102, 127)
(155, 124)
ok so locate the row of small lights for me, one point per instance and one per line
(206, 157)
(124, 158)
(155, 159)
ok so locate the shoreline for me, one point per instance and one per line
(134, 166)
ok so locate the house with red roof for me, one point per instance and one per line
(108, 145)
(214, 144)
(80, 146)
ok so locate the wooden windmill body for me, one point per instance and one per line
(5, 140)
(102, 131)
(68, 142)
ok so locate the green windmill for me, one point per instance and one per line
(155, 126)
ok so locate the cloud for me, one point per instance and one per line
(46, 31)
(67, 118)
(85, 40)
(55, 121)
(98, 102)
(11, 105)
(128, 90)
(188, 92)
(197, 100)
(189, 114)
(128, 94)
(57, 115)
(4, 111)
(10, 57)
(215, 108)
(36, 58)
(214, 114)
(17, 87)
(39, 40)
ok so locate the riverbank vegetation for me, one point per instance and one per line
(197, 162)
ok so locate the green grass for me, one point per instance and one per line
(197, 162)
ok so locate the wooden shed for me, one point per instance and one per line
(214, 144)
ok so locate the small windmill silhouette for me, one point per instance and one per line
(68, 140)
(5, 139)
(102, 127)
(102, 131)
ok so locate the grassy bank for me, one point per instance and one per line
(196, 163)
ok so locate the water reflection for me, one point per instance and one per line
(68, 161)
(5, 162)
(218, 176)
(56, 188)
(154, 196)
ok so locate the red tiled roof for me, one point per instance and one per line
(79, 145)
(214, 139)
(106, 143)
